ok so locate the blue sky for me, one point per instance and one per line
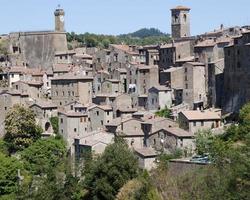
(119, 16)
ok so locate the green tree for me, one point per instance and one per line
(111, 171)
(9, 175)
(21, 128)
(54, 122)
(44, 155)
(164, 112)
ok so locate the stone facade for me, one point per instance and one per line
(68, 88)
(99, 116)
(194, 121)
(180, 22)
(236, 74)
(159, 97)
(194, 93)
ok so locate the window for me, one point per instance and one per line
(5, 108)
(132, 142)
(74, 129)
(61, 130)
(61, 120)
(176, 18)
(186, 78)
(186, 70)
(101, 122)
(239, 65)
(186, 86)
(97, 113)
(202, 123)
(185, 17)
(107, 112)
(71, 107)
(194, 123)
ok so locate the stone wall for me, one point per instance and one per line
(36, 49)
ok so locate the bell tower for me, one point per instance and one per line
(59, 19)
(180, 22)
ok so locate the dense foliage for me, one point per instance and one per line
(145, 32)
(164, 112)
(44, 155)
(111, 171)
(142, 37)
(54, 122)
(21, 128)
(8, 175)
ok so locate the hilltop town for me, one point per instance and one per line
(156, 97)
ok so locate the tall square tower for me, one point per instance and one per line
(180, 22)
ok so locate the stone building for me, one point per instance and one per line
(7, 100)
(129, 129)
(64, 57)
(194, 93)
(33, 88)
(122, 105)
(72, 125)
(149, 55)
(99, 115)
(111, 86)
(139, 79)
(146, 158)
(44, 110)
(172, 77)
(195, 120)
(100, 76)
(211, 53)
(37, 48)
(236, 74)
(180, 22)
(95, 142)
(175, 54)
(159, 97)
(59, 20)
(71, 87)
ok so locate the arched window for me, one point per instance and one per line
(185, 17)
(47, 126)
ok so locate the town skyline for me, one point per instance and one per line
(142, 15)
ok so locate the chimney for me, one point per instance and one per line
(221, 27)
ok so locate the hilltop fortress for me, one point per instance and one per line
(36, 49)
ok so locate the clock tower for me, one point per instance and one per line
(59, 20)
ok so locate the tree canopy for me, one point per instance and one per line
(111, 171)
(21, 128)
(8, 174)
(143, 36)
(44, 155)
